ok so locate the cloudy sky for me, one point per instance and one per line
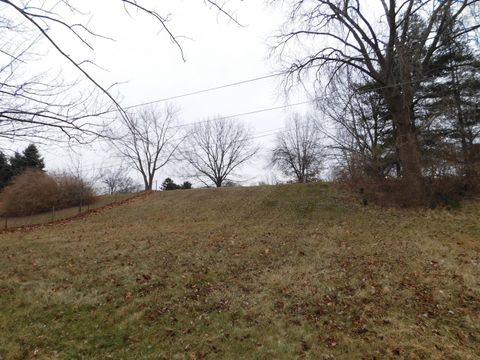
(149, 66)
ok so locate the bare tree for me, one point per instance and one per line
(118, 181)
(298, 151)
(149, 141)
(32, 105)
(391, 42)
(215, 148)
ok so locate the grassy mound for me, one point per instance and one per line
(295, 271)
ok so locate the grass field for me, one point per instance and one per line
(295, 271)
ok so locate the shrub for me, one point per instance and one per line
(73, 191)
(34, 191)
(445, 191)
(31, 192)
(449, 191)
(384, 192)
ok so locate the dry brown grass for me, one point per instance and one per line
(295, 271)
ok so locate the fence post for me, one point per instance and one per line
(81, 198)
(6, 222)
(53, 213)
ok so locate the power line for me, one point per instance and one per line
(219, 87)
(258, 78)
(245, 114)
(206, 90)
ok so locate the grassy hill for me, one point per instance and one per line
(297, 271)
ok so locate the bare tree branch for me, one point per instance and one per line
(32, 97)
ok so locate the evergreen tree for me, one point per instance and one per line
(17, 163)
(451, 106)
(33, 158)
(5, 171)
(29, 158)
(186, 185)
(169, 184)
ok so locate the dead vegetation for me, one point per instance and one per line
(34, 191)
(280, 272)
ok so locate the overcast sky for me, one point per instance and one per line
(149, 67)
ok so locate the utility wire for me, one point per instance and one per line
(245, 114)
(219, 87)
(259, 78)
(206, 90)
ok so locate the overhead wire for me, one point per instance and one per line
(241, 82)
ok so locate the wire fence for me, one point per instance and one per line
(54, 215)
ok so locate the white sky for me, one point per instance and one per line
(150, 67)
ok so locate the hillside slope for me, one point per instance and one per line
(295, 271)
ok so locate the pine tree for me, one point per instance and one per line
(33, 158)
(5, 171)
(29, 158)
(451, 106)
(186, 185)
(169, 184)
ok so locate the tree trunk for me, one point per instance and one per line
(400, 103)
(407, 144)
(148, 184)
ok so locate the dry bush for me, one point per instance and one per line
(34, 192)
(31, 192)
(73, 191)
(387, 192)
(449, 191)
(445, 191)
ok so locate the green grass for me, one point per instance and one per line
(60, 214)
(297, 271)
